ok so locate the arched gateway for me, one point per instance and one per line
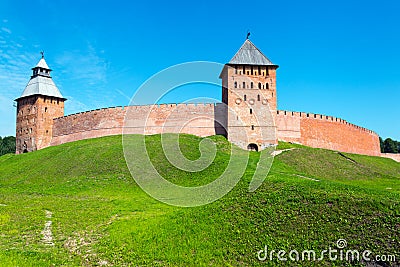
(252, 147)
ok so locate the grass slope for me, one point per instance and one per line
(101, 217)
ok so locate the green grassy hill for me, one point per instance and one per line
(100, 217)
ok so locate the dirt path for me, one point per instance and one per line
(47, 234)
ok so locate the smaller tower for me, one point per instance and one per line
(39, 104)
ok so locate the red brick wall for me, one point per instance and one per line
(395, 157)
(308, 129)
(172, 118)
(288, 126)
(328, 132)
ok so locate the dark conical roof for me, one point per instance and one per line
(249, 54)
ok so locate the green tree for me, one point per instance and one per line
(382, 145)
(7, 145)
(390, 146)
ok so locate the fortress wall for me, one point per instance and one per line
(200, 119)
(339, 135)
(288, 125)
(89, 124)
(328, 132)
(197, 119)
(395, 157)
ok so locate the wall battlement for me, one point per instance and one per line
(315, 130)
(321, 117)
(322, 131)
(200, 119)
(153, 106)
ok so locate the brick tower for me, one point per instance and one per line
(38, 105)
(249, 91)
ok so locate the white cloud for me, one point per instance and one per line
(74, 106)
(15, 70)
(85, 74)
(7, 115)
(15, 67)
(123, 94)
(81, 76)
(86, 66)
(7, 30)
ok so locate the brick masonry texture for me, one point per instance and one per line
(198, 119)
(250, 94)
(35, 122)
(328, 132)
(395, 157)
(309, 129)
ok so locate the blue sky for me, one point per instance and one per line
(339, 58)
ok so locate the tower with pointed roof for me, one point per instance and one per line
(39, 104)
(249, 91)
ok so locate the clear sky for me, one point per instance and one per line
(339, 58)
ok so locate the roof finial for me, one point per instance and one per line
(42, 53)
(248, 34)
